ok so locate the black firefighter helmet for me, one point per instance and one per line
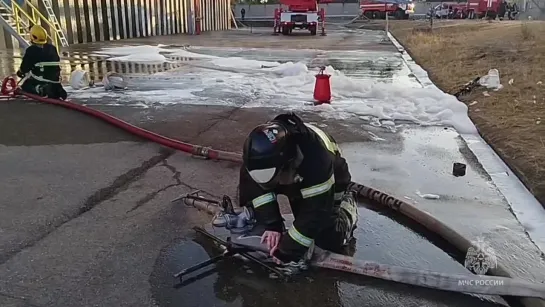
(267, 151)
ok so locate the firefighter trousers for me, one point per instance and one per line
(340, 229)
(44, 89)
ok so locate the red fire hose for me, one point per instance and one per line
(154, 137)
(9, 86)
(417, 215)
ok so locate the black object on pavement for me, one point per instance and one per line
(468, 87)
(459, 169)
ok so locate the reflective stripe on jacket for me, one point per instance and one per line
(325, 176)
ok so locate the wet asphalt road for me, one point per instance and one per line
(87, 219)
(233, 282)
(97, 228)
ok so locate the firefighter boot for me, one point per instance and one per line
(348, 213)
(39, 90)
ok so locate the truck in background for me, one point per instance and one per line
(300, 14)
(471, 9)
(378, 9)
(484, 8)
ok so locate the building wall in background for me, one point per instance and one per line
(86, 21)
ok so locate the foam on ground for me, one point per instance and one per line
(290, 86)
(293, 86)
(132, 50)
(188, 54)
(236, 62)
(148, 54)
(141, 58)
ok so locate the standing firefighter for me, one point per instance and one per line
(41, 67)
(289, 157)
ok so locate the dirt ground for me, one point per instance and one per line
(511, 120)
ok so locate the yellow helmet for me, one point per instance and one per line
(38, 35)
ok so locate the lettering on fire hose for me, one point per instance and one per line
(373, 194)
(369, 269)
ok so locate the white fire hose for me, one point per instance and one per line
(476, 284)
(80, 80)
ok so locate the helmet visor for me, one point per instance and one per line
(263, 176)
(266, 155)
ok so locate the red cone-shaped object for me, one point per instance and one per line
(322, 88)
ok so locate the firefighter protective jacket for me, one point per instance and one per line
(325, 177)
(42, 62)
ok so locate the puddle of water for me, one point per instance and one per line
(421, 163)
(96, 66)
(206, 83)
(361, 65)
(356, 64)
(235, 283)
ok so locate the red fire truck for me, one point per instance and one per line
(301, 14)
(377, 9)
(471, 9)
(483, 8)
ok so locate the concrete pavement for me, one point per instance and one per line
(87, 220)
(121, 247)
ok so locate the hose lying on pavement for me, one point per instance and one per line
(477, 284)
(162, 140)
(417, 215)
(465, 283)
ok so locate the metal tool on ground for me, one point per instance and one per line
(208, 205)
(238, 222)
(231, 249)
(465, 283)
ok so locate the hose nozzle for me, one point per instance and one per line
(234, 221)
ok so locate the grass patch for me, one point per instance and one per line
(511, 120)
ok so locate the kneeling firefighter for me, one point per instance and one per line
(287, 156)
(40, 67)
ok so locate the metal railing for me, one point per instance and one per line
(24, 19)
(5, 24)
